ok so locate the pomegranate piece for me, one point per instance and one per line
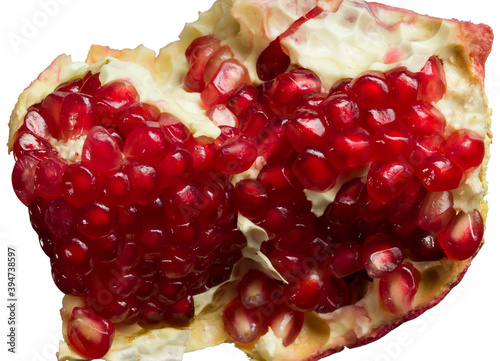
(285, 323)
(90, 334)
(387, 180)
(381, 254)
(465, 148)
(397, 289)
(113, 97)
(303, 293)
(314, 171)
(460, 239)
(438, 173)
(242, 324)
(349, 147)
(433, 79)
(101, 152)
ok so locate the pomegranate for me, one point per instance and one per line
(253, 195)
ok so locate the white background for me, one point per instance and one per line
(463, 327)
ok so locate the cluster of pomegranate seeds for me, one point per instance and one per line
(146, 216)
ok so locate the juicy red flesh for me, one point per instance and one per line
(148, 217)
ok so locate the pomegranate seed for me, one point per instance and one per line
(105, 304)
(175, 167)
(48, 178)
(272, 61)
(203, 151)
(135, 114)
(279, 181)
(344, 209)
(254, 120)
(341, 86)
(91, 84)
(251, 198)
(198, 54)
(152, 314)
(79, 185)
(131, 255)
(349, 147)
(426, 248)
(312, 101)
(438, 173)
(59, 217)
(215, 61)
(272, 142)
(285, 323)
(147, 143)
(101, 152)
(397, 289)
(70, 86)
(109, 248)
(433, 79)
(180, 313)
(51, 111)
(373, 119)
(242, 98)
(422, 119)
(287, 264)
(146, 290)
(381, 255)
(339, 111)
(299, 237)
(174, 129)
(242, 325)
(436, 211)
(235, 156)
(256, 289)
(90, 334)
(276, 220)
(404, 209)
(220, 115)
(113, 97)
(371, 210)
(77, 116)
(314, 171)
(465, 148)
(23, 178)
(115, 187)
(404, 85)
(425, 147)
(153, 241)
(182, 202)
(370, 90)
(34, 123)
(229, 76)
(74, 255)
(387, 180)
(289, 88)
(177, 265)
(306, 128)
(71, 284)
(47, 243)
(337, 295)
(345, 260)
(96, 220)
(391, 141)
(304, 293)
(27, 142)
(36, 211)
(145, 183)
(461, 238)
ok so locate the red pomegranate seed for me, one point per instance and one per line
(337, 294)
(51, 111)
(404, 209)
(147, 289)
(121, 283)
(96, 220)
(304, 293)
(131, 255)
(198, 54)
(152, 314)
(70, 284)
(203, 151)
(147, 143)
(425, 147)
(251, 198)
(404, 85)
(272, 61)
(349, 147)
(277, 219)
(91, 84)
(135, 114)
(287, 264)
(280, 182)
(256, 289)
(180, 313)
(312, 101)
(373, 119)
(109, 248)
(145, 183)
(229, 76)
(387, 180)
(466, 148)
(77, 116)
(438, 173)
(370, 90)
(299, 237)
(254, 120)
(344, 209)
(371, 210)
(34, 122)
(175, 167)
(345, 260)
(242, 325)
(101, 152)
(314, 171)
(235, 156)
(340, 111)
(27, 142)
(273, 142)
(79, 185)
(59, 217)
(391, 141)
(433, 79)
(341, 86)
(306, 128)
(215, 61)
(285, 323)
(227, 133)
(422, 119)
(426, 248)
(23, 177)
(105, 304)
(48, 178)
(397, 289)
(47, 243)
(90, 334)
(220, 115)
(74, 255)
(182, 202)
(174, 129)
(177, 264)
(241, 99)
(462, 236)
(113, 97)
(115, 186)
(70, 86)
(381, 255)
(436, 211)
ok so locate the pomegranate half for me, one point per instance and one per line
(294, 177)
